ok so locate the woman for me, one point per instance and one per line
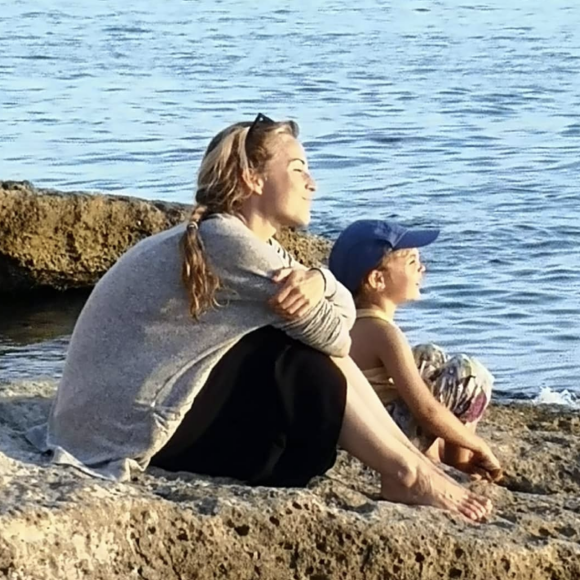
(437, 401)
(240, 367)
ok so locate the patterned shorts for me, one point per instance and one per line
(460, 382)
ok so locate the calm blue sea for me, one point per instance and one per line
(457, 114)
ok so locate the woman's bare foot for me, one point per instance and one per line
(432, 489)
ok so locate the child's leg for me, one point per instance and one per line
(436, 451)
(429, 358)
(421, 439)
(464, 386)
(455, 455)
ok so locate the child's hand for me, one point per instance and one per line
(300, 290)
(484, 464)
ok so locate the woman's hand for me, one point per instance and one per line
(300, 290)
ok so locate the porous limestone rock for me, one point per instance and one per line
(56, 523)
(51, 239)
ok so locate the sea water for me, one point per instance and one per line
(447, 113)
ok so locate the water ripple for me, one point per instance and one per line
(448, 114)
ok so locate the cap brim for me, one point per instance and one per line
(416, 239)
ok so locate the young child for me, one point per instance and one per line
(435, 399)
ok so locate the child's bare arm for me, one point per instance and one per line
(397, 357)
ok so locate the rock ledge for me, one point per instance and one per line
(57, 523)
(55, 240)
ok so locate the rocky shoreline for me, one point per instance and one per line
(68, 240)
(56, 523)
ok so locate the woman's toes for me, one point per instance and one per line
(486, 503)
(470, 511)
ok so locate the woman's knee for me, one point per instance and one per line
(312, 376)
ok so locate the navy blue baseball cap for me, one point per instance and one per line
(362, 245)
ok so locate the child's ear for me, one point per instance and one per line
(376, 280)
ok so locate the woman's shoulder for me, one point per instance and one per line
(224, 224)
(228, 229)
(230, 242)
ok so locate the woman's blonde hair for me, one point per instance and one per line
(235, 152)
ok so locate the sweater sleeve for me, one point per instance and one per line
(245, 266)
(334, 291)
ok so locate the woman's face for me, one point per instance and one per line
(287, 187)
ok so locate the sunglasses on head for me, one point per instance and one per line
(260, 120)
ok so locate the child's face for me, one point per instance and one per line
(403, 275)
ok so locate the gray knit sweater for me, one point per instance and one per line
(137, 360)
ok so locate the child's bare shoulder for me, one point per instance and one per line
(378, 329)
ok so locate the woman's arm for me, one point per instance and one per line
(246, 267)
(334, 291)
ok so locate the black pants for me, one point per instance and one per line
(272, 408)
